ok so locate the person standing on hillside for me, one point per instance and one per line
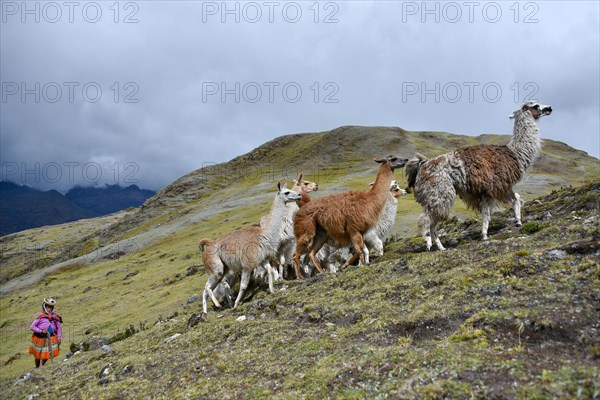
(47, 334)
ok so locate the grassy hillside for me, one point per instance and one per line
(409, 325)
(513, 317)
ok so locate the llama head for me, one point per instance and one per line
(203, 244)
(536, 110)
(393, 161)
(287, 195)
(397, 192)
(306, 186)
(393, 186)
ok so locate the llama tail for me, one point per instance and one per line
(412, 168)
(203, 243)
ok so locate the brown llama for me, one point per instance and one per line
(344, 217)
(482, 175)
(288, 242)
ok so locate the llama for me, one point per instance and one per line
(242, 251)
(345, 217)
(288, 239)
(332, 252)
(283, 258)
(304, 188)
(374, 237)
(481, 175)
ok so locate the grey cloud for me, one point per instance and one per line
(367, 61)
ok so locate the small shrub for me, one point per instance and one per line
(531, 227)
(522, 253)
(129, 331)
(595, 351)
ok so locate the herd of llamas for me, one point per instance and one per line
(350, 226)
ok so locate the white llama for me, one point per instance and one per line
(242, 251)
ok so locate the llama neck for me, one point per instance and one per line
(273, 227)
(383, 180)
(525, 142)
(305, 197)
(381, 188)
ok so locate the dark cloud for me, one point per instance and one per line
(180, 88)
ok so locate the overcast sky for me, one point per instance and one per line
(147, 91)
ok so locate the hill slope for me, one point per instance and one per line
(136, 268)
(513, 317)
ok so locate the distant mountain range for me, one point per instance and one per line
(22, 207)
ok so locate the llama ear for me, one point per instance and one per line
(379, 160)
(300, 177)
(279, 186)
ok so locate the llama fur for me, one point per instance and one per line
(344, 217)
(482, 176)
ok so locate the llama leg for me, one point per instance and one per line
(377, 247)
(228, 293)
(486, 212)
(243, 286)
(297, 261)
(282, 267)
(434, 236)
(424, 223)
(318, 242)
(516, 203)
(366, 253)
(287, 258)
(358, 243)
(213, 281)
(270, 273)
(227, 281)
(427, 237)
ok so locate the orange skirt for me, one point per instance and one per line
(39, 347)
